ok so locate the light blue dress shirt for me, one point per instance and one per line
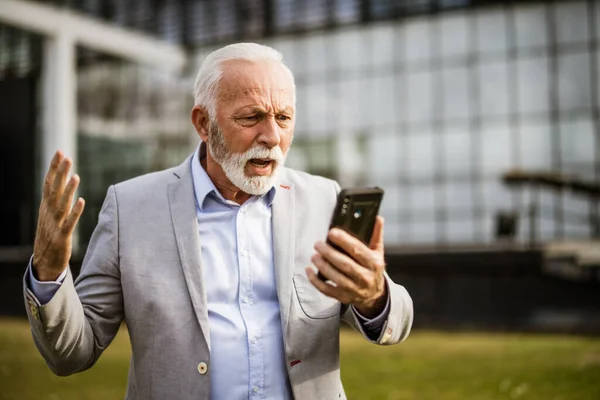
(247, 358)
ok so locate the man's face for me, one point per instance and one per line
(255, 123)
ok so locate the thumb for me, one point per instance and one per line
(376, 242)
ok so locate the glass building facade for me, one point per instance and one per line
(436, 108)
(431, 100)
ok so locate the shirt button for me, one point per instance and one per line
(254, 340)
(245, 299)
(245, 253)
(202, 368)
(255, 389)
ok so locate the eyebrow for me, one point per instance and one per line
(261, 109)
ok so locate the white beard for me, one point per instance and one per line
(234, 164)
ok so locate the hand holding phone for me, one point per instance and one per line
(356, 212)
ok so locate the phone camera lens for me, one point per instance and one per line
(357, 214)
(346, 200)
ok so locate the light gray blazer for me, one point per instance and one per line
(143, 265)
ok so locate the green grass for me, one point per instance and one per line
(430, 365)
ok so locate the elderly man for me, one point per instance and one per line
(211, 263)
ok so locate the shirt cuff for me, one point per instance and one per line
(373, 326)
(44, 291)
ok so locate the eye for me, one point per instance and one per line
(251, 117)
(283, 117)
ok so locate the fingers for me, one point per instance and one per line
(376, 242)
(341, 261)
(60, 180)
(331, 273)
(356, 249)
(73, 217)
(323, 287)
(64, 205)
(51, 174)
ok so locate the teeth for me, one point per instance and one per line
(260, 164)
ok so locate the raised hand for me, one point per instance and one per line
(56, 220)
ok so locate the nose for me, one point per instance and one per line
(269, 135)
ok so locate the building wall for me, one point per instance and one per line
(435, 108)
(431, 106)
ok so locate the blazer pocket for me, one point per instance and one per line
(314, 304)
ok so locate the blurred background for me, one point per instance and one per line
(480, 119)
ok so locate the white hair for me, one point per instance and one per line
(206, 86)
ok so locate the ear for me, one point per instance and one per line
(200, 120)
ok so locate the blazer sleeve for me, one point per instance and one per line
(399, 320)
(72, 330)
(396, 327)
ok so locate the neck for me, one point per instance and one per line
(227, 189)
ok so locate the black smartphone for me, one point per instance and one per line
(356, 212)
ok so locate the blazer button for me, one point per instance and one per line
(202, 368)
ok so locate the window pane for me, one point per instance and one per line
(571, 21)
(456, 144)
(454, 34)
(422, 202)
(497, 196)
(576, 204)
(349, 48)
(417, 40)
(422, 232)
(456, 93)
(493, 84)
(366, 116)
(533, 85)
(459, 196)
(419, 102)
(225, 17)
(317, 108)
(531, 27)
(302, 109)
(383, 99)
(496, 150)
(394, 232)
(289, 50)
(313, 13)
(420, 154)
(349, 104)
(391, 203)
(460, 231)
(578, 145)
(317, 54)
(285, 14)
(384, 160)
(491, 30)
(346, 10)
(535, 146)
(351, 160)
(574, 81)
(382, 45)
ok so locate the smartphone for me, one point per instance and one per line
(355, 212)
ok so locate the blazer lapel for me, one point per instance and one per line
(185, 224)
(283, 247)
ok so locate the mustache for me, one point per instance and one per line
(273, 153)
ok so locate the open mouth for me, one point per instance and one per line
(262, 162)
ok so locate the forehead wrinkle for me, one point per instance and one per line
(273, 99)
(238, 87)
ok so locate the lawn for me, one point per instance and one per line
(430, 365)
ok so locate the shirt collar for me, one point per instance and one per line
(204, 186)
